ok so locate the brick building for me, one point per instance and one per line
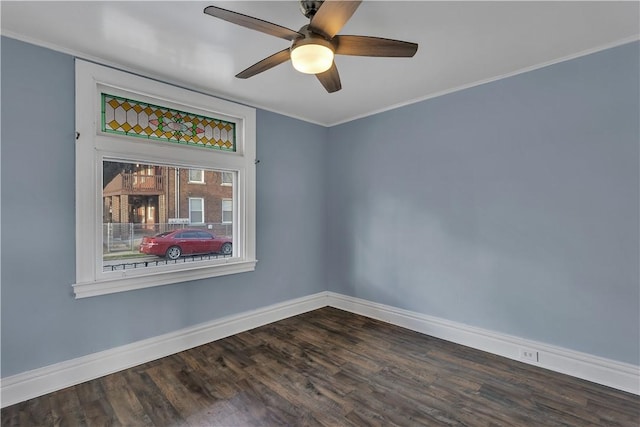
(148, 194)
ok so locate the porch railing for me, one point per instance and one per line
(142, 183)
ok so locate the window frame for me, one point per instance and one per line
(226, 183)
(201, 199)
(193, 181)
(222, 210)
(94, 146)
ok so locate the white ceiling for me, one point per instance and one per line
(461, 44)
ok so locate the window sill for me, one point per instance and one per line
(122, 284)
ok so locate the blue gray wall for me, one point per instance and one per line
(42, 323)
(511, 206)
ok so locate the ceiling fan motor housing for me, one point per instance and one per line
(312, 38)
(310, 7)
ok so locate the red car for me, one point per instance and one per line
(185, 241)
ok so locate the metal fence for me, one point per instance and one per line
(133, 264)
(127, 236)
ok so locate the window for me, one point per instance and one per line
(196, 210)
(227, 178)
(196, 176)
(139, 144)
(227, 211)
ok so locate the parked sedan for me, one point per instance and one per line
(174, 244)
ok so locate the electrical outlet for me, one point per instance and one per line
(528, 355)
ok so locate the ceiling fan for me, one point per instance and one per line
(314, 45)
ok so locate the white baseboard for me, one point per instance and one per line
(30, 384)
(618, 375)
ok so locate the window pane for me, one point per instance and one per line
(148, 209)
(196, 213)
(227, 210)
(227, 178)
(196, 175)
(139, 119)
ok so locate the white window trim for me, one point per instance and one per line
(191, 181)
(191, 210)
(93, 146)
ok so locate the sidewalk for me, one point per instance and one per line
(123, 255)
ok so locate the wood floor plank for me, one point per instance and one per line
(190, 406)
(154, 407)
(127, 408)
(12, 419)
(331, 368)
(36, 412)
(95, 404)
(66, 409)
(297, 388)
(266, 406)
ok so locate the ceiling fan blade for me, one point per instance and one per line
(267, 63)
(332, 15)
(330, 79)
(253, 23)
(374, 46)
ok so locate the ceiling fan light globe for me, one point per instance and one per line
(312, 58)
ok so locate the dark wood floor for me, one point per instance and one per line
(330, 367)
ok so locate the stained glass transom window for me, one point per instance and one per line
(124, 116)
